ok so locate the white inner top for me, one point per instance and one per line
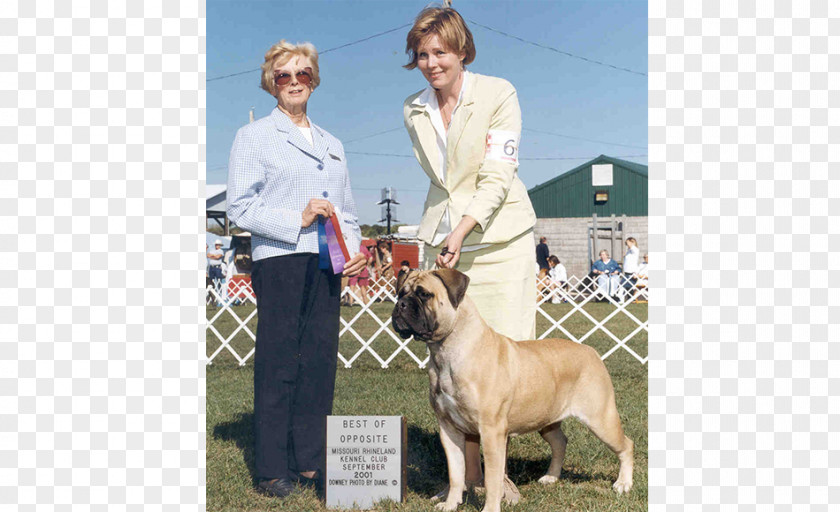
(307, 134)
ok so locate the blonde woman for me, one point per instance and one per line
(285, 171)
(630, 266)
(465, 130)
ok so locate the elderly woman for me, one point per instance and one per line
(286, 174)
(606, 273)
(465, 130)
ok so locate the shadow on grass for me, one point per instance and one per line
(427, 470)
(428, 473)
(241, 432)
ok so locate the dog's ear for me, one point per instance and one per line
(401, 277)
(455, 282)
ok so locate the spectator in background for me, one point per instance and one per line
(606, 273)
(359, 284)
(384, 262)
(630, 266)
(558, 278)
(542, 255)
(405, 268)
(214, 260)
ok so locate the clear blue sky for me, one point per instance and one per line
(363, 86)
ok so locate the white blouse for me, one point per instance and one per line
(631, 260)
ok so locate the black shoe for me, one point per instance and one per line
(316, 482)
(278, 488)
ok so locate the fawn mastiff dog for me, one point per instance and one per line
(481, 382)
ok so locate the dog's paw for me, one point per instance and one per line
(547, 480)
(447, 506)
(622, 486)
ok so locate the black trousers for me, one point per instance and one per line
(294, 362)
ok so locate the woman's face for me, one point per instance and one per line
(294, 95)
(440, 66)
(605, 257)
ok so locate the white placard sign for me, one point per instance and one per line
(365, 460)
(602, 175)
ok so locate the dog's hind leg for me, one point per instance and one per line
(453, 442)
(607, 427)
(555, 437)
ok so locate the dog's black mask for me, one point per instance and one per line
(411, 315)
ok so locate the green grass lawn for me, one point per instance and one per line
(589, 469)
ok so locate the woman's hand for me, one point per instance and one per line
(313, 209)
(355, 265)
(453, 243)
(451, 253)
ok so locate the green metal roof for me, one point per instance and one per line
(630, 166)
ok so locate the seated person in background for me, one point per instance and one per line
(606, 273)
(542, 282)
(641, 273)
(558, 278)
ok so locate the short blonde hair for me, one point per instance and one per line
(445, 23)
(281, 53)
(631, 239)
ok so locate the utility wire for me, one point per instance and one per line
(401, 189)
(524, 129)
(373, 135)
(526, 158)
(534, 158)
(593, 61)
(367, 38)
(582, 138)
(580, 157)
(378, 154)
(319, 53)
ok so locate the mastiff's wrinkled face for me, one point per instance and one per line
(427, 303)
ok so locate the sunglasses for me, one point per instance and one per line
(304, 77)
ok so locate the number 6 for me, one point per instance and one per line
(510, 149)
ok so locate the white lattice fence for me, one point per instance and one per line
(235, 303)
(577, 293)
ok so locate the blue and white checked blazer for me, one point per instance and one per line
(273, 173)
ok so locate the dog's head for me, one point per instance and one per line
(427, 303)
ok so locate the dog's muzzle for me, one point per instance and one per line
(407, 319)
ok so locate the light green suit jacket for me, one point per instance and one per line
(487, 190)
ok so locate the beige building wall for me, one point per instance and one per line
(568, 239)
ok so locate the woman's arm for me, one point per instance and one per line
(246, 207)
(496, 173)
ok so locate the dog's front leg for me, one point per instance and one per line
(453, 442)
(494, 440)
